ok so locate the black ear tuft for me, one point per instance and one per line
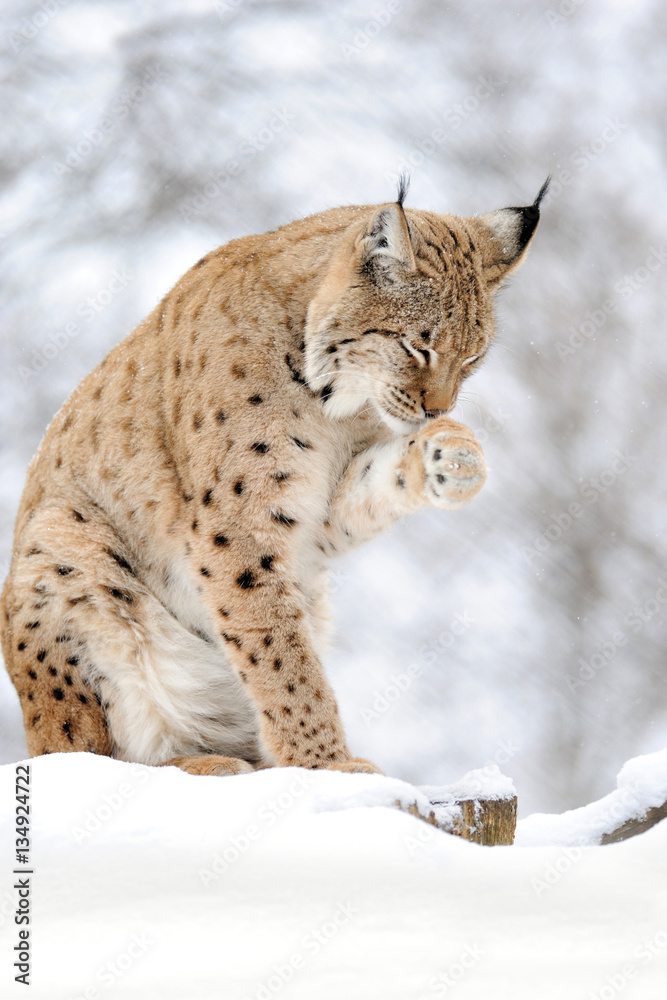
(530, 215)
(403, 188)
(511, 230)
(541, 193)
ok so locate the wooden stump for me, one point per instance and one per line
(491, 822)
(488, 821)
(636, 825)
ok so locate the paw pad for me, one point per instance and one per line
(454, 469)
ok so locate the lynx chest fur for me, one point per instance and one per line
(286, 401)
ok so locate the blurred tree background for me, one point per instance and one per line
(138, 136)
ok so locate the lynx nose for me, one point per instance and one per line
(436, 402)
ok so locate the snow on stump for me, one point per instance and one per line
(481, 807)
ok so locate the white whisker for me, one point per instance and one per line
(505, 348)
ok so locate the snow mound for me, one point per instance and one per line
(152, 883)
(641, 785)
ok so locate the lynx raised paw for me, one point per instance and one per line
(446, 464)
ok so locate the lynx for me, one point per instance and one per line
(285, 402)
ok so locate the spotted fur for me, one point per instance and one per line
(286, 401)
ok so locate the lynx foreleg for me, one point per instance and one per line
(441, 464)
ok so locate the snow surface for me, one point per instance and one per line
(150, 883)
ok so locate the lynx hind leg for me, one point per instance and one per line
(66, 574)
(210, 764)
(61, 710)
(79, 613)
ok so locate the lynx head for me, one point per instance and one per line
(405, 311)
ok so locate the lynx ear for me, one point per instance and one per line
(506, 234)
(386, 250)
